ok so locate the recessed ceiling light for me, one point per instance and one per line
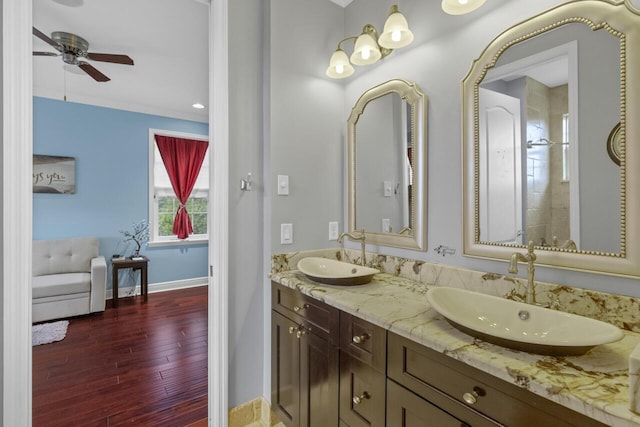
(198, 106)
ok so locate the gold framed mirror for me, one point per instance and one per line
(539, 105)
(387, 165)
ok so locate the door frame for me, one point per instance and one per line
(16, 255)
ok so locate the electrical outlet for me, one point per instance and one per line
(333, 230)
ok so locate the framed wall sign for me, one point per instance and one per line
(54, 174)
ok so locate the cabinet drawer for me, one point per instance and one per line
(362, 393)
(363, 340)
(316, 316)
(405, 409)
(433, 376)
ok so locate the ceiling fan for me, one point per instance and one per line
(73, 48)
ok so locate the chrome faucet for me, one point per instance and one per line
(529, 258)
(356, 238)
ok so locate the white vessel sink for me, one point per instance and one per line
(520, 326)
(334, 272)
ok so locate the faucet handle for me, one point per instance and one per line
(532, 256)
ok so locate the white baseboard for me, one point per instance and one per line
(160, 287)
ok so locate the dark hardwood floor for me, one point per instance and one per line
(138, 364)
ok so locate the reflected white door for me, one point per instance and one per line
(500, 167)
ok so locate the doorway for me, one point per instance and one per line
(17, 202)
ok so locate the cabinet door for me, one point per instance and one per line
(362, 393)
(405, 409)
(318, 381)
(285, 370)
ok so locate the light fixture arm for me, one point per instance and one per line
(344, 40)
(371, 30)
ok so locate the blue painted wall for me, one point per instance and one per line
(112, 163)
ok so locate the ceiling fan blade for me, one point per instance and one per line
(109, 57)
(45, 38)
(93, 72)
(45, 54)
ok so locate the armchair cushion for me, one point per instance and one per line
(64, 256)
(60, 284)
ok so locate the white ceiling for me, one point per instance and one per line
(343, 3)
(167, 39)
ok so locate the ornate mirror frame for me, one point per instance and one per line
(621, 20)
(411, 93)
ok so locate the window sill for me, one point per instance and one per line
(176, 242)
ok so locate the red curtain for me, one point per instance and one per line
(183, 159)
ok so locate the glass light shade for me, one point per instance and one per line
(460, 7)
(396, 32)
(366, 51)
(339, 65)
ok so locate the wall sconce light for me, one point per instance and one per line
(460, 7)
(368, 47)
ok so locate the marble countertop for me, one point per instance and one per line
(595, 384)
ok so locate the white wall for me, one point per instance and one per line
(246, 273)
(308, 121)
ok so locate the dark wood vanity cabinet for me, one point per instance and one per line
(362, 372)
(330, 368)
(472, 397)
(406, 409)
(304, 360)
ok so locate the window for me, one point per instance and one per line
(163, 204)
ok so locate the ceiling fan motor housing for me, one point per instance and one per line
(73, 46)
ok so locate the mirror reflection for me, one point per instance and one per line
(384, 174)
(546, 110)
(387, 165)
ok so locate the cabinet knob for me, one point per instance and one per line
(297, 308)
(301, 331)
(292, 329)
(358, 399)
(472, 398)
(359, 339)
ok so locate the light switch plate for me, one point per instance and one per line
(286, 234)
(333, 230)
(386, 225)
(283, 185)
(388, 189)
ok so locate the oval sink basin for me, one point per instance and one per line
(334, 272)
(520, 326)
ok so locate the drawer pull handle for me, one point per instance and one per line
(472, 398)
(359, 339)
(297, 308)
(359, 399)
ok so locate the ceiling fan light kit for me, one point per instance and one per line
(72, 48)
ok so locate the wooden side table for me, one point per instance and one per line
(134, 265)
